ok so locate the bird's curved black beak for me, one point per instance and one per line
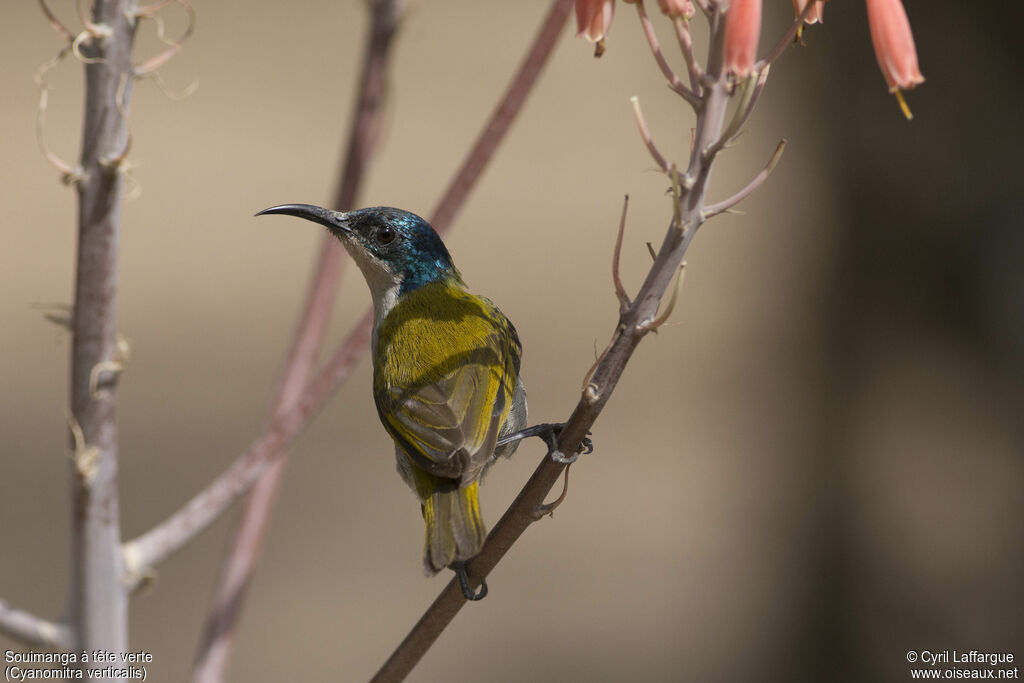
(332, 220)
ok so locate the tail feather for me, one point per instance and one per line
(455, 529)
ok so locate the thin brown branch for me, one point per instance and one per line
(646, 135)
(720, 207)
(98, 608)
(626, 336)
(620, 290)
(32, 630)
(56, 23)
(682, 27)
(674, 81)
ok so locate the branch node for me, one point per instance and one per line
(751, 89)
(85, 456)
(101, 30)
(653, 325)
(76, 49)
(138, 575)
(677, 198)
(113, 368)
(758, 180)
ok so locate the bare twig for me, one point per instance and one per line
(652, 40)
(646, 134)
(620, 290)
(715, 209)
(98, 612)
(682, 27)
(32, 630)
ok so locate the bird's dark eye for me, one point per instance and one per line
(386, 235)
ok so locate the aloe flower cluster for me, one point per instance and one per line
(890, 33)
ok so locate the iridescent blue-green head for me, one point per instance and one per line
(397, 250)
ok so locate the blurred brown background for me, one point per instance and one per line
(816, 468)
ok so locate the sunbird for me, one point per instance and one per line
(446, 376)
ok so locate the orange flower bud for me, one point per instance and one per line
(677, 8)
(816, 15)
(742, 30)
(894, 44)
(593, 17)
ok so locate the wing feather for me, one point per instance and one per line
(445, 386)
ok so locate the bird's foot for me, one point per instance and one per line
(467, 592)
(549, 431)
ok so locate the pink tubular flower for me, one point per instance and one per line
(593, 17)
(742, 30)
(894, 44)
(816, 15)
(677, 8)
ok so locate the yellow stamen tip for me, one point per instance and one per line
(903, 105)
